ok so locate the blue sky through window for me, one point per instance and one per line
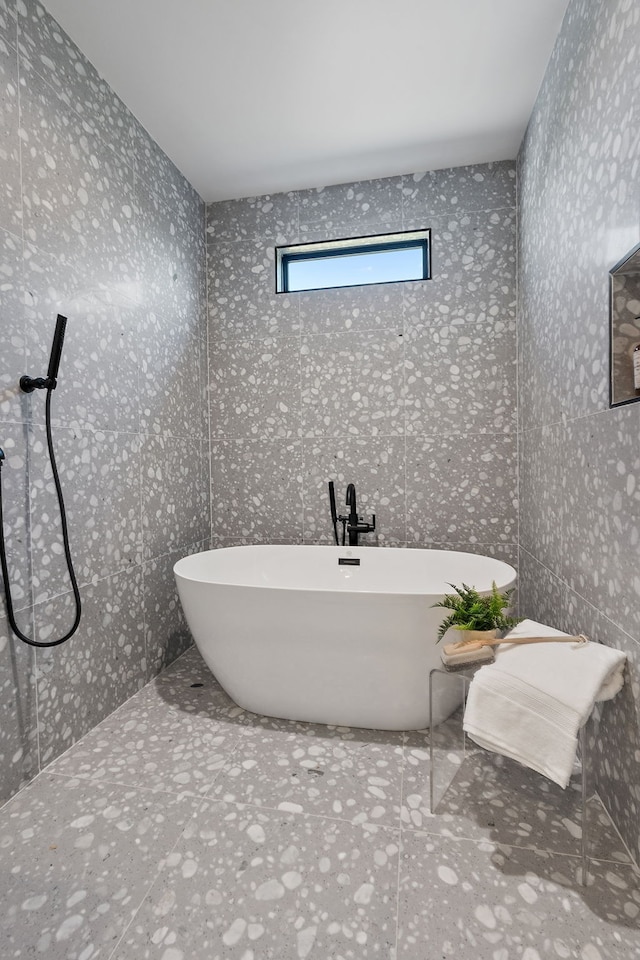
(353, 269)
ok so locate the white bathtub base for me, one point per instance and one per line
(343, 656)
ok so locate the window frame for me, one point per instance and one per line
(371, 243)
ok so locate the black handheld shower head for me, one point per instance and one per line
(29, 384)
(56, 349)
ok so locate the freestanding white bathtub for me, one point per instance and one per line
(291, 632)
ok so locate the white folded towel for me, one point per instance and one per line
(530, 704)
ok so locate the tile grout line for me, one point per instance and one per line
(208, 374)
(400, 835)
(159, 870)
(46, 768)
(624, 843)
(579, 595)
(147, 664)
(118, 573)
(28, 425)
(243, 804)
(303, 459)
(200, 799)
(518, 384)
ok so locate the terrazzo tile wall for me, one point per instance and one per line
(408, 390)
(95, 223)
(579, 213)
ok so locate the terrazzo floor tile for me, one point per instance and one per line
(493, 798)
(148, 744)
(78, 859)
(194, 690)
(245, 884)
(471, 901)
(351, 775)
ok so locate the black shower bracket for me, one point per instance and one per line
(29, 384)
(50, 382)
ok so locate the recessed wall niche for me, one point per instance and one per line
(625, 329)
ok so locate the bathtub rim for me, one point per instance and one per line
(311, 588)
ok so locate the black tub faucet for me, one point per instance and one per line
(352, 523)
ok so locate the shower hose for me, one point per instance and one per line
(65, 540)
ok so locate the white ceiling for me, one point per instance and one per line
(258, 96)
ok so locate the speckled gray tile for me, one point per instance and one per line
(103, 664)
(12, 401)
(8, 26)
(335, 228)
(377, 307)
(191, 659)
(11, 205)
(98, 377)
(353, 384)
(242, 298)
(365, 202)
(461, 488)
(82, 856)
(601, 512)
(155, 168)
(486, 186)
(18, 721)
(318, 771)
(277, 885)
(78, 198)
(493, 798)
(167, 634)
(578, 178)
(540, 592)
(47, 50)
(172, 368)
(256, 489)
(541, 378)
(149, 744)
(172, 275)
(219, 542)
(613, 732)
(462, 379)
(473, 272)
(377, 467)
(87, 240)
(97, 469)
(275, 217)
(255, 388)
(189, 686)
(14, 440)
(483, 902)
(542, 462)
(174, 494)
(440, 301)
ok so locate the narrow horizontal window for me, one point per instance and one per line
(387, 258)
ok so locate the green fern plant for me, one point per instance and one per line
(471, 611)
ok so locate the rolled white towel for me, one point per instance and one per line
(530, 704)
